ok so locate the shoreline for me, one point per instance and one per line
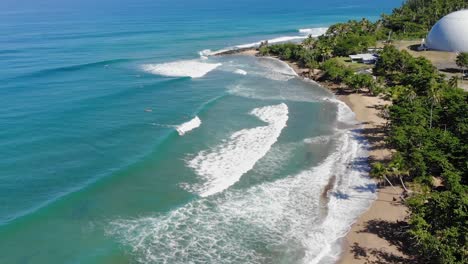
(365, 242)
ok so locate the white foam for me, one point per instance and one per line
(223, 165)
(273, 222)
(263, 67)
(318, 140)
(314, 32)
(277, 65)
(184, 68)
(188, 126)
(344, 114)
(240, 72)
(270, 41)
(274, 93)
(305, 32)
(208, 52)
(204, 54)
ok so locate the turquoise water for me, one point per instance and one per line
(93, 169)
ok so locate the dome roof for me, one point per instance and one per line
(450, 33)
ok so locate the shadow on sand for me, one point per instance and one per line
(395, 234)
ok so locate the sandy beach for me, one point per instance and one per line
(370, 239)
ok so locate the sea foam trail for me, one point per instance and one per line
(272, 93)
(270, 41)
(314, 32)
(273, 222)
(223, 165)
(304, 33)
(276, 69)
(240, 72)
(344, 113)
(188, 126)
(185, 68)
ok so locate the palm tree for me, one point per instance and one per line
(308, 42)
(398, 169)
(453, 82)
(434, 96)
(325, 52)
(410, 94)
(365, 24)
(380, 172)
(462, 62)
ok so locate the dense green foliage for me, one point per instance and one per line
(349, 38)
(293, 52)
(335, 70)
(429, 131)
(462, 61)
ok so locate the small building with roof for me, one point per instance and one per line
(367, 58)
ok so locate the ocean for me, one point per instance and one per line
(124, 139)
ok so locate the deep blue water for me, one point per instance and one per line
(93, 170)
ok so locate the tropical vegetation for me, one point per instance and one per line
(428, 119)
(462, 61)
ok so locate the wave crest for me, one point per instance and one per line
(266, 223)
(223, 165)
(185, 68)
(188, 126)
(314, 32)
(305, 32)
(240, 72)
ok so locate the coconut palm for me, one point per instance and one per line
(453, 82)
(434, 97)
(397, 169)
(462, 61)
(410, 94)
(325, 51)
(380, 172)
(308, 42)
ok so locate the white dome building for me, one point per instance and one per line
(450, 33)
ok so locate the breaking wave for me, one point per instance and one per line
(270, 41)
(184, 68)
(240, 72)
(304, 33)
(318, 140)
(273, 222)
(223, 165)
(277, 93)
(344, 114)
(276, 69)
(252, 92)
(314, 32)
(188, 126)
(282, 221)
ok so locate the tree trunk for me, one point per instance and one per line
(401, 196)
(403, 184)
(391, 184)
